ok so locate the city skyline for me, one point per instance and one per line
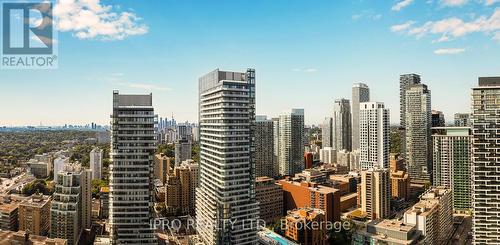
(303, 49)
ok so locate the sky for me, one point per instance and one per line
(306, 55)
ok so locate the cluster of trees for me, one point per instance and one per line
(37, 186)
(396, 137)
(96, 186)
(81, 153)
(21, 146)
(169, 151)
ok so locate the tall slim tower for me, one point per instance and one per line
(405, 81)
(133, 145)
(374, 135)
(96, 163)
(291, 142)
(360, 94)
(342, 125)
(453, 163)
(226, 209)
(485, 159)
(327, 132)
(376, 193)
(418, 133)
(264, 148)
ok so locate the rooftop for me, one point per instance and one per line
(11, 237)
(9, 207)
(394, 225)
(36, 200)
(489, 81)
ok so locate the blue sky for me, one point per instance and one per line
(306, 54)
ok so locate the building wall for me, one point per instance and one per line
(485, 159)
(418, 133)
(270, 198)
(374, 123)
(264, 149)
(453, 164)
(360, 93)
(226, 193)
(342, 125)
(376, 193)
(34, 215)
(131, 190)
(291, 142)
(303, 194)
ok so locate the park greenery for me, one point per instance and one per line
(18, 147)
(37, 186)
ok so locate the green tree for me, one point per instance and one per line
(37, 186)
(96, 186)
(167, 149)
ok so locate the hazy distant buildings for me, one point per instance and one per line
(418, 133)
(360, 94)
(133, 143)
(374, 132)
(342, 125)
(264, 148)
(227, 168)
(462, 120)
(485, 159)
(96, 163)
(182, 151)
(405, 82)
(291, 142)
(376, 193)
(453, 163)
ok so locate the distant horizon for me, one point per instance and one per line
(306, 54)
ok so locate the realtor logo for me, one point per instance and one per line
(28, 36)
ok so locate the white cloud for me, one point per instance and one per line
(453, 3)
(117, 78)
(402, 27)
(455, 27)
(366, 14)
(401, 4)
(89, 19)
(497, 36)
(308, 70)
(147, 86)
(444, 51)
(490, 2)
(443, 38)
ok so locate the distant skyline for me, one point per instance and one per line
(306, 55)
